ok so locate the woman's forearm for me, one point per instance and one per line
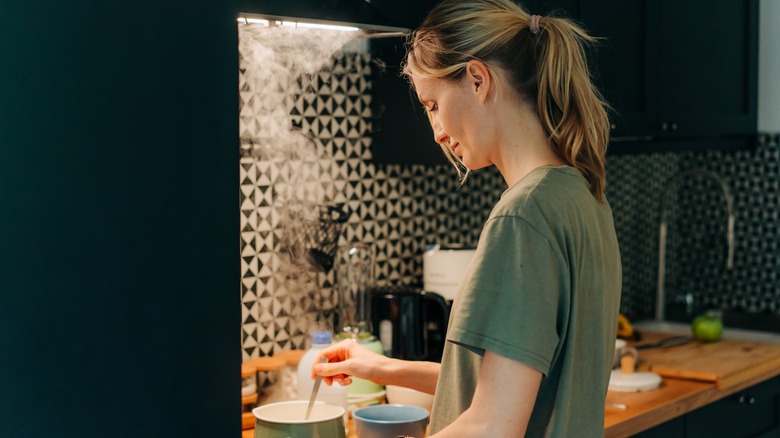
(348, 358)
(418, 375)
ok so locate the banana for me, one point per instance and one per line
(624, 327)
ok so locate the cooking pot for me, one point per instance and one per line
(287, 420)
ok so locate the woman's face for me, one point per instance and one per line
(455, 116)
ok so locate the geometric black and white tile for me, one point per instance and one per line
(400, 209)
(696, 241)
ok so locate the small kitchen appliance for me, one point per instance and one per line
(444, 268)
(354, 279)
(411, 324)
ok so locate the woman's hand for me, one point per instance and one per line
(347, 359)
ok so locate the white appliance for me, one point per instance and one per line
(444, 268)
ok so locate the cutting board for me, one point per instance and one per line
(723, 362)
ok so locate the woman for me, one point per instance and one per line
(531, 337)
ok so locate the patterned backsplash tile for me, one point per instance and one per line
(401, 209)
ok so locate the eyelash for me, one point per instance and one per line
(433, 108)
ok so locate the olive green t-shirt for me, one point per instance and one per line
(543, 289)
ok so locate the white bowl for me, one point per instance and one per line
(399, 395)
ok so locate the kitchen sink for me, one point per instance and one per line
(729, 331)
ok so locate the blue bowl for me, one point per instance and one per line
(383, 421)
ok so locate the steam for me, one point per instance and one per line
(278, 64)
(277, 61)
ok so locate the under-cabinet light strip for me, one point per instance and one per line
(296, 24)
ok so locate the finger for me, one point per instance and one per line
(321, 359)
(332, 369)
(343, 380)
(338, 352)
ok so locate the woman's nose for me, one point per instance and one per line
(439, 135)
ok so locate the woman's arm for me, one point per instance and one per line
(503, 400)
(348, 358)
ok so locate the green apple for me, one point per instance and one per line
(707, 328)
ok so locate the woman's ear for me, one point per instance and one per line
(478, 76)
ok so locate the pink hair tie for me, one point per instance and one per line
(534, 25)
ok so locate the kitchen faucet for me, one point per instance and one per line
(660, 299)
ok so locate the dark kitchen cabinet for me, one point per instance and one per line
(623, 64)
(706, 67)
(400, 131)
(677, 70)
(751, 413)
(674, 428)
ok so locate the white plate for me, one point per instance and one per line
(634, 382)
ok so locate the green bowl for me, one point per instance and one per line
(286, 420)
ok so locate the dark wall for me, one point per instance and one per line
(119, 220)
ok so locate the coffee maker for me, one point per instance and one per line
(410, 323)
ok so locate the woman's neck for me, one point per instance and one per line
(522, 145)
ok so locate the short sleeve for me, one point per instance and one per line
(511, 299)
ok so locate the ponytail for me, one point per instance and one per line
(545, 57)
(569, 105)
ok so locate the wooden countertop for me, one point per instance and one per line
(676, 397)
(673, 398)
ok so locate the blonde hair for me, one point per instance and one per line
(547, 68)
